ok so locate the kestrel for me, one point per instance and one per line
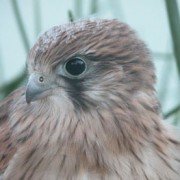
(89, 110)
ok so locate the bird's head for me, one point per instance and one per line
(90, 64)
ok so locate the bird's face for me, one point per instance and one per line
(88, 64)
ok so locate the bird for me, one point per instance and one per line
(89, 110)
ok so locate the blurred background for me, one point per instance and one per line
(157, 22)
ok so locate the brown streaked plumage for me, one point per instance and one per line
(89, 110)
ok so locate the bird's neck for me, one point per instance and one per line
(127, 127)
(118, 127)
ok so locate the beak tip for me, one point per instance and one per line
(35, 90)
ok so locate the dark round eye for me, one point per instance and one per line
(75, 66)
(41, 79)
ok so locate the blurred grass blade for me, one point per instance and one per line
(177, 119)
(37, 16)
(174, 22)
(94, 6)
(20, 24)
(9, 87)
(172, 112)
(70, 16)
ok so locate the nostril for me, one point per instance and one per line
(41, 79)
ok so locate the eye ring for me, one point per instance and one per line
(41, 79)
(75, 66)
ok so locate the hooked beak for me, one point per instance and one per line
(38, 87)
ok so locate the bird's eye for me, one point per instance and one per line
(75, 66)
(41, 79)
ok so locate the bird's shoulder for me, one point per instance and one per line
(7, 149)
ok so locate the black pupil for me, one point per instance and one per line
(75, 66)
(41, 79)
